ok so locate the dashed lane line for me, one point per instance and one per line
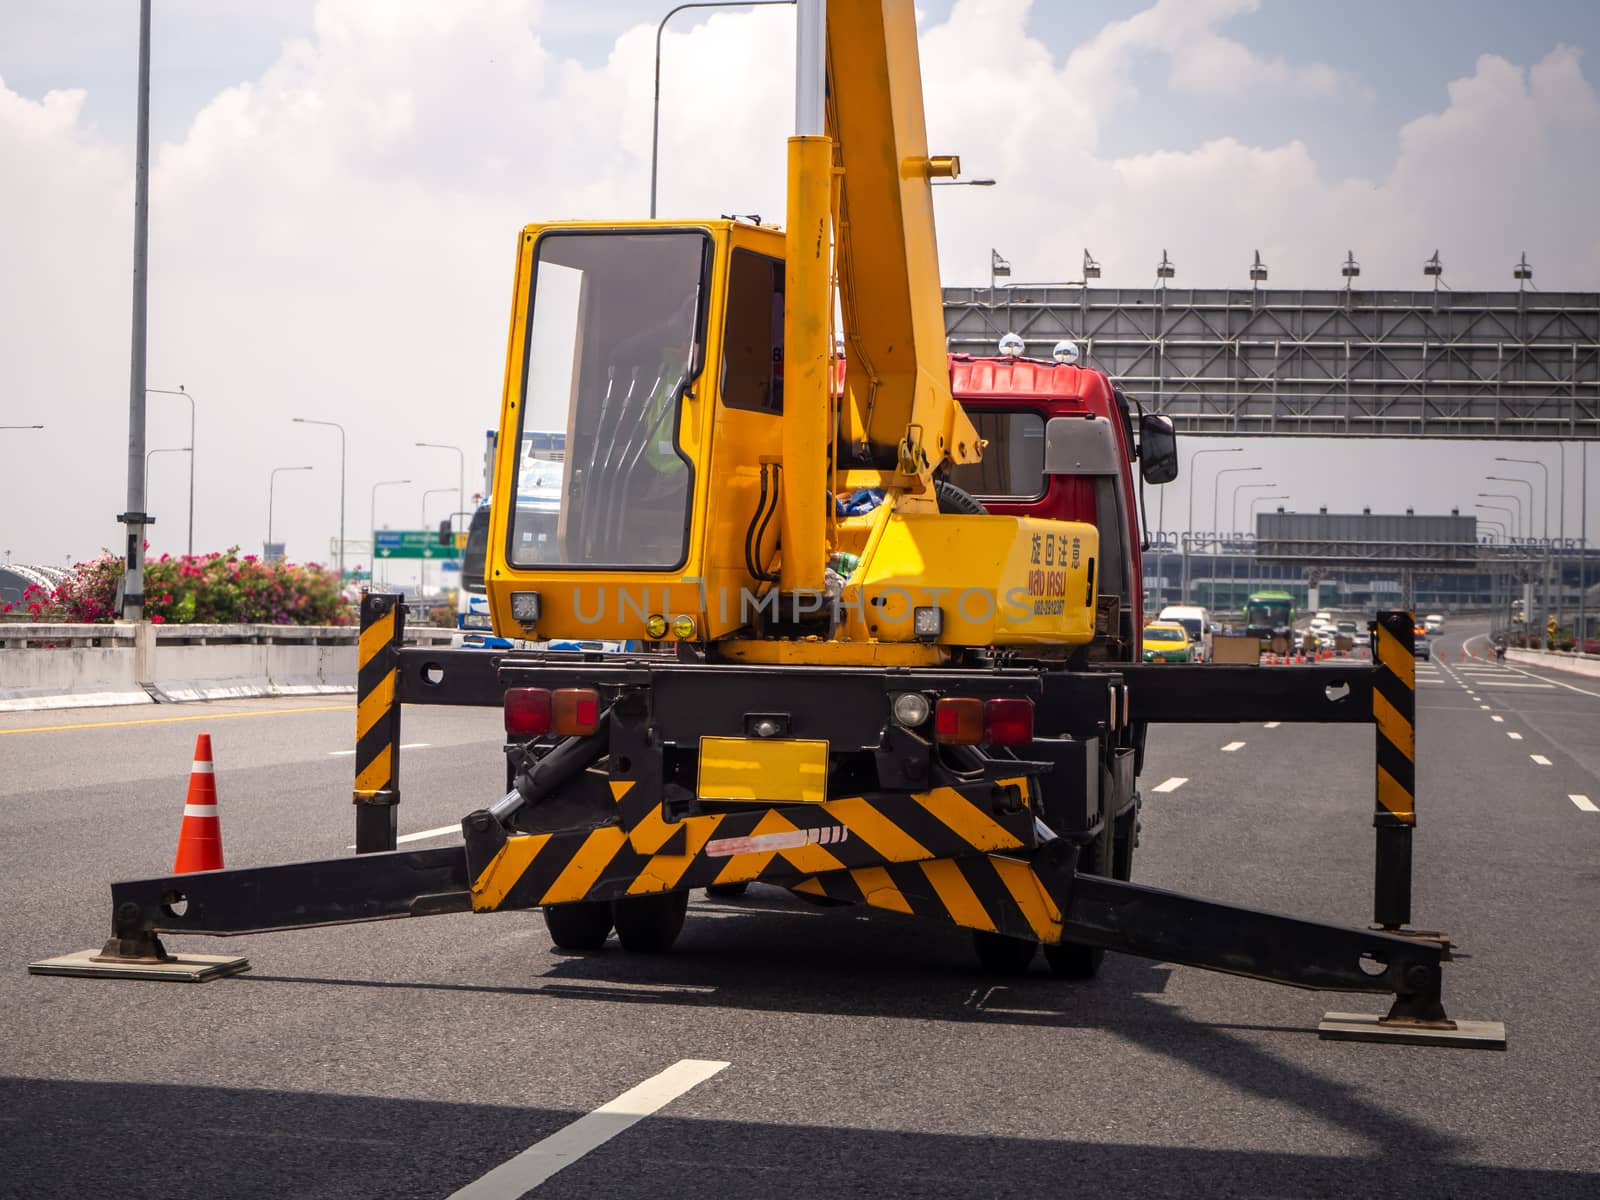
(1231, 747)
(1583, 802)
(403, 746)
(423, 835)
(1513, 735)
(1498, 720)
(543, 1159)
(1540, 759)
(1171, 785)
(1272, 724)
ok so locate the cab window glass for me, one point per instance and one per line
(752, 346)
(1013, 461)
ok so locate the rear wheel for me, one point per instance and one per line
(726, 891)
(649, 924)
(1000, 954)
(581, 926)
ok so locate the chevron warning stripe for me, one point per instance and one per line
(774, 845)
(377, 785)
(1394, 706)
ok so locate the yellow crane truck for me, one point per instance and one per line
(860, 684)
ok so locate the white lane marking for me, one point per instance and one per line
(1540, 759)
(1272, 724)
(1555, 682)
(425, 833)
(1497, 720)
(1171, 785)
(1231, 747)
(403, 746)
(1485, 707)
(564, 1147)
(1512, 684)
(1583, 802)
(1513, 735)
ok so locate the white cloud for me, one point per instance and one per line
(335, 237)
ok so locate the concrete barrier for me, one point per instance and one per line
(81, 666)
(1578, 664)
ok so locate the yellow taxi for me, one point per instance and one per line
(1167, 643)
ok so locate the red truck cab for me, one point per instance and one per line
(1037, 468)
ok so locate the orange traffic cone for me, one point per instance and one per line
(200, 838)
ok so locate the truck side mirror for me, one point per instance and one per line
(1158, 448)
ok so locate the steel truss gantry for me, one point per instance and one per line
(1336, 363)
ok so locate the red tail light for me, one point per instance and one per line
(527, 712)
(576, 711)
(1008, 722)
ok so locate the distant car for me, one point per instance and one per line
(1433, 622)
(1167, 643)
(1420, 646)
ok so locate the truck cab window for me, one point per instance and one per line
(1013, 461)
(752, 354)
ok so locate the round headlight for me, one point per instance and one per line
(655, 627)
(911, 709)
(1065, 352)
(1011, 346)
(683, 627)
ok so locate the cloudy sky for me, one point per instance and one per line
(337, 184)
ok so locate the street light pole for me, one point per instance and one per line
(372, 511)
(1534, 462)
(1189, 529)
(340, 428)
(180, 392)
(1527, 483)
(461, 470)
(1255, 500)
(1216, 494)
(655, 109)
(134, 518)
(272, 479)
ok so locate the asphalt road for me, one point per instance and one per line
(866, 1054)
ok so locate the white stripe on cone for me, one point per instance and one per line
(203, 766)
(200, 810)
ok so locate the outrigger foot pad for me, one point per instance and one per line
(1369, 1027)
(179, 968)
(140, 957)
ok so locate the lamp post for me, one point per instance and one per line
(461, 467)
(190, 399)
(1545, 529)
(1216, 495)
(373, 512)
(134, 518)
(340, 428)
(1246, 487)
(1527, 483)
(272, 479)
(1189, 529)
(655, 110)
(1514, 520)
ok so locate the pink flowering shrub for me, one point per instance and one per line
(211, 589)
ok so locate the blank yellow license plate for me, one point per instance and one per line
(788, 771)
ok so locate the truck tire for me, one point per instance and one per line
(581, 926)
(955, 500)
(1001, 954)
(649, 924)
(726, 891)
